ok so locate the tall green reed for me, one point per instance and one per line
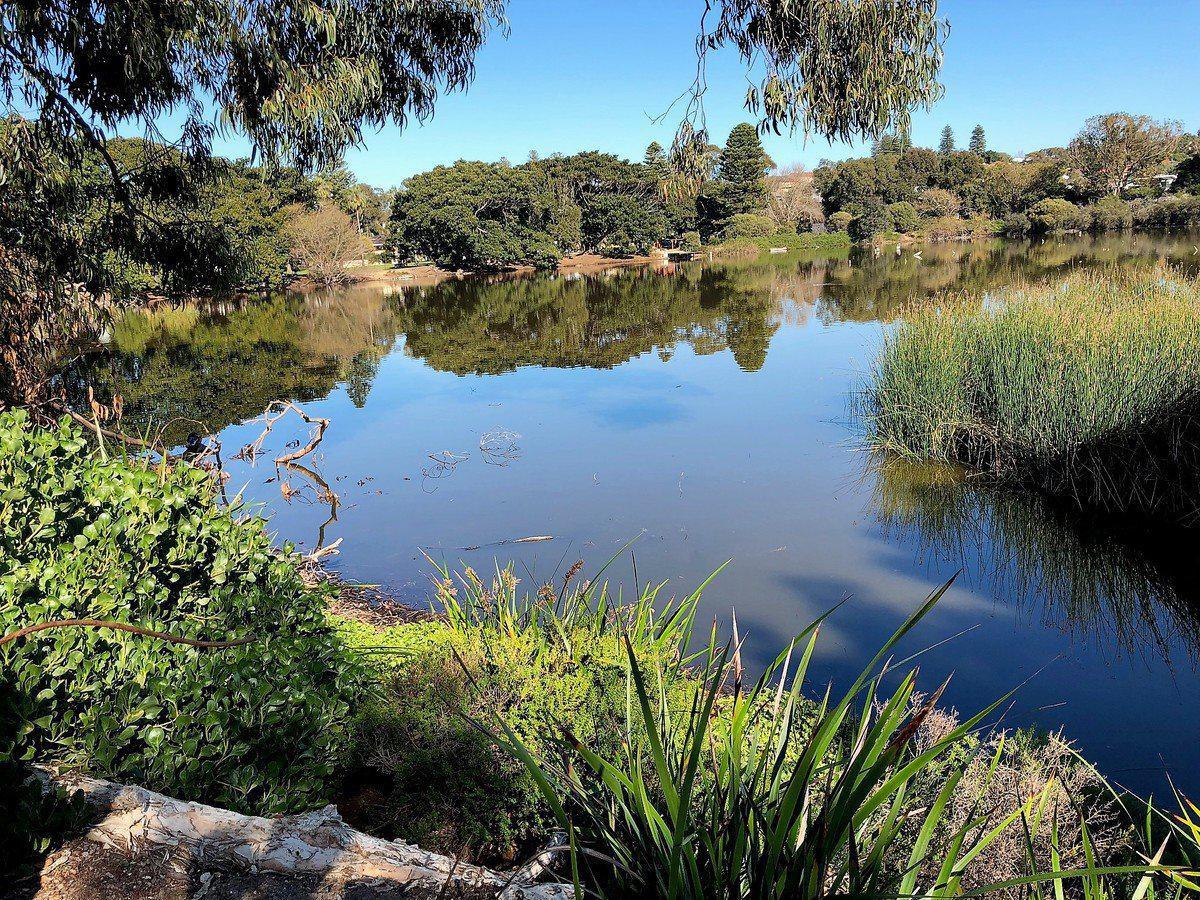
(1089, 388)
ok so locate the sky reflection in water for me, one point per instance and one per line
(706, 410)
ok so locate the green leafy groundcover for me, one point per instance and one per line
(258, 728)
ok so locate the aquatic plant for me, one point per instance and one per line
(84, 534)
(543, 658)
(1086, 388)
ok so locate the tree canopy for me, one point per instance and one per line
(1114, 151)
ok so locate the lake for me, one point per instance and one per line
(706, 410)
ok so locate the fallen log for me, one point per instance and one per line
(319, 843)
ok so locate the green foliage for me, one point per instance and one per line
(874, 220)
(740, 186)
(475, 215)
(959, 171)
(1114, 152)
(946, 144)
(258, 727)
(840, 221)
(904, 217)
(1176, 211)
(1187, 175)
(1111, 214)
(548, 663)
(1055, 215)
(1085, 389)
(754, 792)
(751, 225)
(978, 143)
(1017, 225)
(837, 70)
(71, 74)
(32, 819)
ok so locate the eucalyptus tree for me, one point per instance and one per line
(838, 69)
(303, 79)
(1115, 152)
(300, 79)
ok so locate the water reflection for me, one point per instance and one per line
(221, 363)
(702, 406)
(1129, 588)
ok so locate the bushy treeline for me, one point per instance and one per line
(479, 215)
(1120, 171)
(139, 216)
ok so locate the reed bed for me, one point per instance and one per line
(1087, 388)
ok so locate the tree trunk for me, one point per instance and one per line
(316, 843)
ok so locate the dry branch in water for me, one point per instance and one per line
(269, 417)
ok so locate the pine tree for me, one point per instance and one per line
(742, 171)
(947, 144)
(978, 140)
(656, 161)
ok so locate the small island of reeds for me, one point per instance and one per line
(1086, 389)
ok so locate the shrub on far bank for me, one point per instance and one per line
(1016, 225)
(1111, 214)
(1176, 211)
(875, 220)
(904, 217)
(749, 225)
(260, 727)
(1055, 215)
(1085, 389)
(948, 228)
(938, 202)
(839, 221)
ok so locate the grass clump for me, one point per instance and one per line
(546, 662)
(86, 534)
(1087, 389)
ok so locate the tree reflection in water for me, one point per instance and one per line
(1117, 583)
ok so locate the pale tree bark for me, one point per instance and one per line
(312, 844)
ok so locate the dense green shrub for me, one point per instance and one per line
(1054, 215)
(741, 246)
(750, 225)
(1111, 214)
(904, 217)
(840, 221)
(257, 727)
(1016, 224)
(1177, 211)
(31, 819)
(690, 241)
(874, 220)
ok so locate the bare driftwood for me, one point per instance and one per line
(275, 411)
(316, 843)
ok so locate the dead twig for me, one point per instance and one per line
(269, 417)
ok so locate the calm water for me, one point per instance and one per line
(704, 408)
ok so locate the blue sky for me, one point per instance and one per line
(574, 76)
